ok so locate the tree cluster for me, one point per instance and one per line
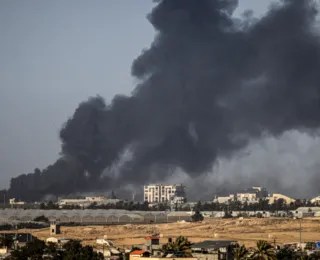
(28, 225)
(37, 249)
(262, 205)
(197, 216)
(181, 244)
(125, 205)
(265, 250)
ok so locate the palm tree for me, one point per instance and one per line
(286, 254)
(240, 252)
(264, 251)
(181, 244)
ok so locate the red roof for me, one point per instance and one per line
(152, 237)
(138, 252)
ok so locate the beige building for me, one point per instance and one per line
(81, 201)
(250, 195)
(276, 196)
(246, 196)
(155, 193)
(14, 202)
(224, 199)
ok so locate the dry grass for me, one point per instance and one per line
(246, 231)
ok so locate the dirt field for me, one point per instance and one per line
(246, 231)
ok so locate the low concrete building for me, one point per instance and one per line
(153, 245)
(56, 240)
(14, 202)
(104, 241)
(213, 249)
(81, 201)
(224, 199)
(307, 210)
(276, 196)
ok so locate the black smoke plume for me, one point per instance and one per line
(208, 84)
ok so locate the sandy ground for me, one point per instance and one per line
(246, 231)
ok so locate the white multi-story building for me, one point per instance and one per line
(155, 193)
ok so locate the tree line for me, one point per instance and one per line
(262, 205)
(38, 249)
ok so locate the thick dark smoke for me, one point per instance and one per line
(209, 84)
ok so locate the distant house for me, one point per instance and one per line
(14, 202)
(224, 199)
(104, 241)
(252, 195)
(108, 248)
(213, 249)
(109, 253)
(307, 212)
(152, 245)
(85, 201)
(56, 240)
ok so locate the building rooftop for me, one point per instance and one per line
(138, 252)
(152, 237)
(213, 244)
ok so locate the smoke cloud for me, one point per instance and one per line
(209, 85)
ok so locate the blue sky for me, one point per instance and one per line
(55, 54)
